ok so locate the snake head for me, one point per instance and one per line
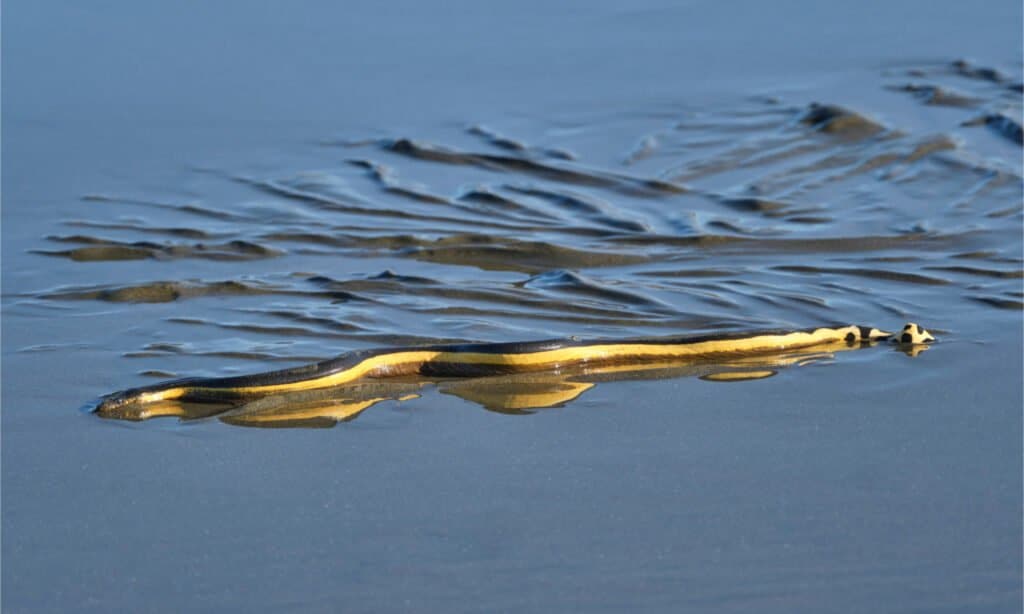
(913, 334)
(140, 403)
(116, 405)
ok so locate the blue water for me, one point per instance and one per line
(871, 482)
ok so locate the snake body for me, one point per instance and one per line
(488, 359)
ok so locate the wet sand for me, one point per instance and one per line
(621, 173)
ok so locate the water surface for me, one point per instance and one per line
(291, 185)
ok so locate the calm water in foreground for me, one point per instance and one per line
(214, 191)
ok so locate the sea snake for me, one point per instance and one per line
(488, 359)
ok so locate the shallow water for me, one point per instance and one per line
(217, 209)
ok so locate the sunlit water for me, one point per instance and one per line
(849, 481)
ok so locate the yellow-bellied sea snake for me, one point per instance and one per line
(477, 360)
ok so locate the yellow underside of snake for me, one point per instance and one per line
(501, 359)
